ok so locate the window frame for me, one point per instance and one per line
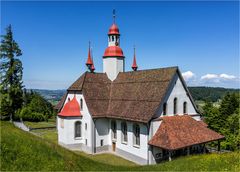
(185, 110)
(114, 130)
(81, 104)
(165, 108)
(136, 135)
(175, 103)
(124, 132)
(75, 130)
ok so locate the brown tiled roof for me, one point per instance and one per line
(176, 132)
(61, 102)
(134, 95)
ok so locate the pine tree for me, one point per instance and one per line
(11, 71)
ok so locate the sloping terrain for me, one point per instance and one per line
(22, 151)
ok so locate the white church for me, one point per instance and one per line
(145, 116)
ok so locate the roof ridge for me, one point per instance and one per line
(150, 69)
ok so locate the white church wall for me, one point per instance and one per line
(102, 132)
(66, 134)
(178, 91)
(154, 126)
(129, 150)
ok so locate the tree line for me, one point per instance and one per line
(212, 94)
(15, 101)
(225, 119)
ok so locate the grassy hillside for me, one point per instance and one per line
(23, 151)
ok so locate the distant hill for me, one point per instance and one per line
(210, 93)
(198, 93)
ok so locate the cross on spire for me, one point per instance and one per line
(114, 15)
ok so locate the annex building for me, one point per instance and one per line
(145, 116)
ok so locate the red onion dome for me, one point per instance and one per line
(71, 108)
(113, 30)
(113, 51)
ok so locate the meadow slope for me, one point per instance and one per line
(22, 151)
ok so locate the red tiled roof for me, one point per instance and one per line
(71, 108)
(176, 132)
(113, 51)
(113, 30)
(134, 65)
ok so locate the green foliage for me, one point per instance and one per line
(212, 94)
(225, 120)
(36, 108)
(22, 151)
(10, 75)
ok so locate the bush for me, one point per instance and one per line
(36, 108)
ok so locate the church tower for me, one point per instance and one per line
(113, 58)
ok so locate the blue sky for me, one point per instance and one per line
(202, 38)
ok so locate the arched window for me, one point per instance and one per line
(124, 132)
(185, 108)
(81, 104)
(164, 108)
(175, 106)
(136, 134)
(78, 129)
(114, 129)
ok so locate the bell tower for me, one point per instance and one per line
(113, 58)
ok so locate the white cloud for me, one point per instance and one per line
(188, 75)
(225, 76)
(209, 77)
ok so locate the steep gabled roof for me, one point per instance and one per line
(176, 132)
(71, 108)
(133, 95)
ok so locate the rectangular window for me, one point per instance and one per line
(101, 142)
(78, 132)
(86, 141)
(124, 132)
(136, 135)
(86, 126)
(114, 130)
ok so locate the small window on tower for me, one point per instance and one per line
(112, 38)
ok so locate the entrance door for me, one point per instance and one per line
(113, 146)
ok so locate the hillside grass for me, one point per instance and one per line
(22, 151)
(51, 123)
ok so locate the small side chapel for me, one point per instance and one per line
(145, 116)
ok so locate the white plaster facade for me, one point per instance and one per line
(112, 66)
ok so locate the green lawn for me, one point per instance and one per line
(22, 151)
(51, 123)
